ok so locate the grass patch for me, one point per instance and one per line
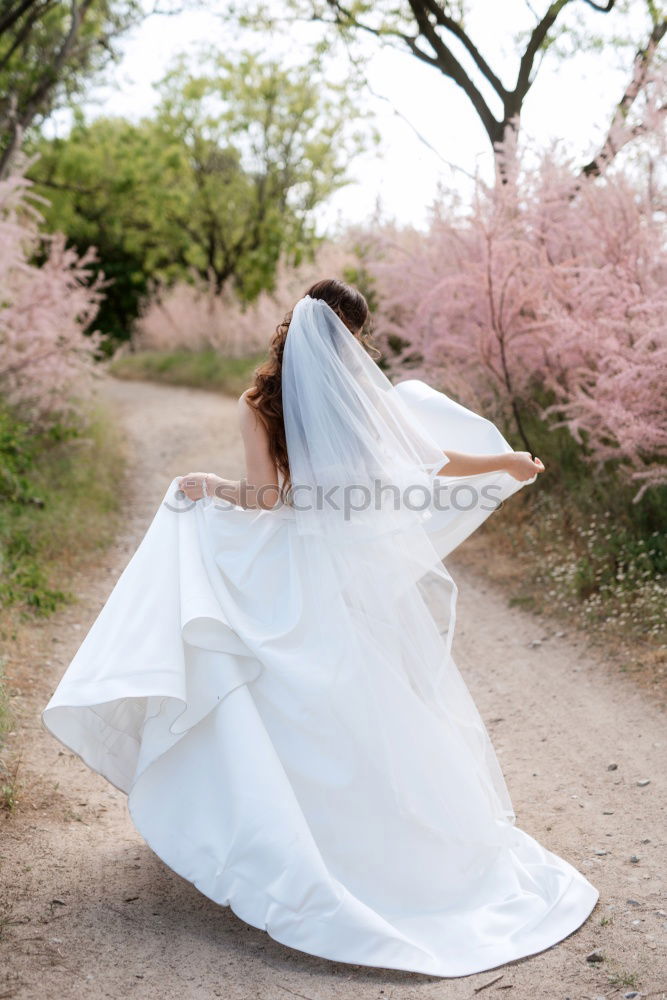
(8, 767)
(59, 500)
(624, 978)
(205, 369)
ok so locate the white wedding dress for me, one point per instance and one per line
(317, 765)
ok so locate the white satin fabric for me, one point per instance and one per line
(319, 767)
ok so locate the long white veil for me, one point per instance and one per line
(350, 439)
(362, 475)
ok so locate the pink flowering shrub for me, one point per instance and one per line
(46, 359)
(551, 290)
(195, 317)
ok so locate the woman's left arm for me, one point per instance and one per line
(519, 464)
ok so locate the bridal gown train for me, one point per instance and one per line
(272, 757)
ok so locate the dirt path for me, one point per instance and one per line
(96, 914)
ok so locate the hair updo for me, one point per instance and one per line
(265, 394)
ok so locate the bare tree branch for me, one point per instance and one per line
(445, 21)
(451, 67)
(535, 43)
(442, 58)
(399, 114)
(605, 10)
(435, 25)
(616, 136)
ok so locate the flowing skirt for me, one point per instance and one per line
(320, 768)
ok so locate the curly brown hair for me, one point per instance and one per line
(265, 394)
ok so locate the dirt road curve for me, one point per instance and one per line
(95, 914)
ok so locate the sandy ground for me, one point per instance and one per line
(94, 913)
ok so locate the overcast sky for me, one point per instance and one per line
(572, 100)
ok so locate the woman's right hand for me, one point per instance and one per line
(520, 465)
(192, 484)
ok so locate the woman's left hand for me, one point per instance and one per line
(521, 465)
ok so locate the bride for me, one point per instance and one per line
(271, 681)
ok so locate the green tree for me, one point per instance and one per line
(222, 180)
(49, 50)
(104, 183)
(263, 146)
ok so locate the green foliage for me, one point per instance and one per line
(205, 369)
(623, 977)
(221, 181)
(104, 183)
(266, 145)
(57, 498)
(588, 492)
(47, 55)
(8, 784)
(51, 49)
(17, 453)
(593, 552)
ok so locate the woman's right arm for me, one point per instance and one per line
(260, 487)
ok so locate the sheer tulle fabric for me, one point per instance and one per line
(351, 438)
(349, 435)
(275, 692)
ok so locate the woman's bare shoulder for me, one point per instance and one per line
(245, 409)
(249, 418)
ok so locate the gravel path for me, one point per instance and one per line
(94, 913)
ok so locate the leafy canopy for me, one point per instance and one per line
(221, 180)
